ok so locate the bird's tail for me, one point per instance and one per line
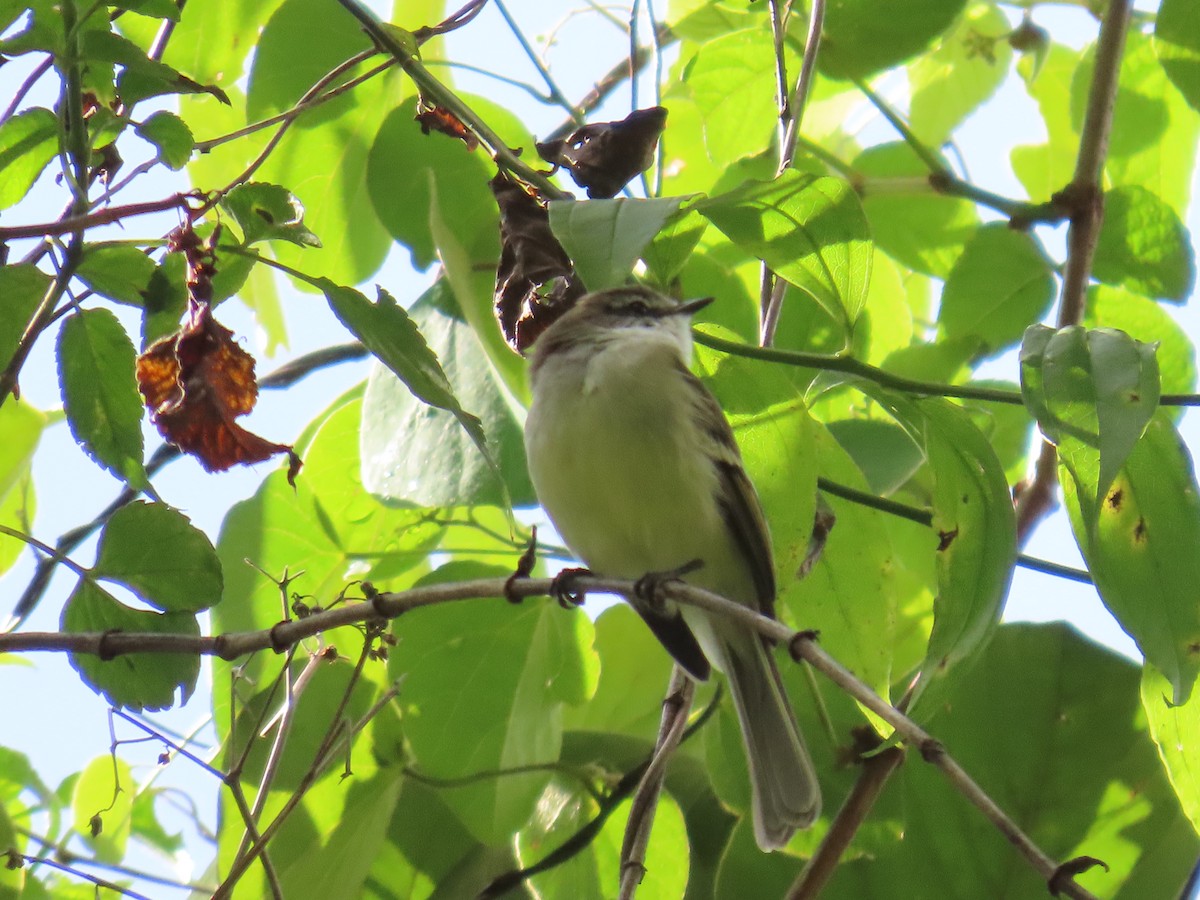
(785, 793)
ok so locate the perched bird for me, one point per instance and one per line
(634, 462)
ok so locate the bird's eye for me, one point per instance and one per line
(638, 308)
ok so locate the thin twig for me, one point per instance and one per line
(26, 86)
(1085, 196)
(93, 219)
(873, 777)
(678, 703)
(603, 89)
(556, 94)
(433, 89)
(791, 115)
(305, 102)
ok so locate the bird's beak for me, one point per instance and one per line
(691, 307)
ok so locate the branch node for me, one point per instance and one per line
(525, 564)
(633, 866)
(932, 751)
(278, 644)
(103, 651)
(377, 600)
(799, 639)
(1065, 874)
(222, 649)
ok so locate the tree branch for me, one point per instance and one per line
(802, 645)
(678, 703)
(876, 770)
(1085, 197)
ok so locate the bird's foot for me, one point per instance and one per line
(648, 588)
(565, 587)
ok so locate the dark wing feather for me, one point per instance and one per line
(739, 501)
(674, 634)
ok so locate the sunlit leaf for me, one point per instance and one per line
(28, 141)
(604, 238)
(134, 680)
(95, 371)
(177, 572)
(1139, 552)
(810, 231)
(1092, 393)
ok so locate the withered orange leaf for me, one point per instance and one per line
(195, 383)
(535, 279)
(438, 118)
(603, 157)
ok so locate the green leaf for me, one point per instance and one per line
(1147, 321)
(95, 372)
(337, 864)
(1045, 168)
(147, 828)
(668, 253)
(103, 805)
(212, 44)
(23, 288)
(972, 519)
(855, 571)
(501, 674)
(731, 80)
(634, 670)
(1140, 552)
(925, 231)
(960, 74)
(403, 162)
(28, 141)
(117, 271)
(165, 299)
(859, 39)
(471, 272)
(1143, 246)
(316, 532)
(21, 426)
(1177, 45)
(1001, 282)
(170, 136)
(1176, 730)
(177, 571)
(1039, 693)
(418, 454)
(604, 238)
(268, 212)
(327, 154)
(135, 680)
(1154, 135)
(811, 231)
(595, 873)
(883, 451)
(298, 46)
(388, 332)
(141, 77)
(1092, 393)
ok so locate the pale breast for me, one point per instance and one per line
(617, 465)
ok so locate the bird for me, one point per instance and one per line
(635, 464)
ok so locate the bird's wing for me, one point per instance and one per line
(739, 502)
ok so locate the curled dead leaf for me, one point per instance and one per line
(438, 118)
(535, 279)
(603, 157)
(195, 383)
